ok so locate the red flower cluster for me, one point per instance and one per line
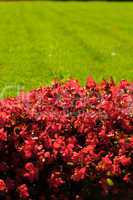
(68, 142)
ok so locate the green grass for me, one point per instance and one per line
(40, 41)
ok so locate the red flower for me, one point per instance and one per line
(90, 83)
(105, 164)
(30, 171)
(56, 180)
(116, 170)
(68, 138)
(3, 135)
(23, 191)
(79, 174)
(28, 148)
(126, 178)
(124, 160)
(2, 185)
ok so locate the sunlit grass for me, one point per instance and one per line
(40, 41)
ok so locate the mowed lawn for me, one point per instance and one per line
(40, 41)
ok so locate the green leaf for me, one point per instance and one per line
(110, 182)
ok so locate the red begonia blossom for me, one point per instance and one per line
(68, 142)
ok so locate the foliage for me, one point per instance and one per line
(68, 142)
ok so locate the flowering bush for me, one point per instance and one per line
(68, 142)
